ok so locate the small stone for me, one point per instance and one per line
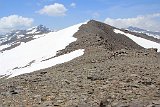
(91, 91)
(104, 103)
(151, 105)
(13, 92)
(83, 105)
(37, 96)
(156, 102)
(157, 94)
(136, 104)
(147, 83)
(43, 73)
(47, 103)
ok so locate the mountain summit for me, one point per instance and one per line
(38, 30)
(90, 64)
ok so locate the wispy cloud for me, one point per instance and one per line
(55, 9)
(13, 22)
(149, 22)
(73, 5)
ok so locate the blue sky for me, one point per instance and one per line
(72, 11)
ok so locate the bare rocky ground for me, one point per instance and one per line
(113, 72)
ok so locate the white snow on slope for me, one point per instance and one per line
(148, 34)
(28, 56)
(32, 31)
(155, 36)
(38, 36)
(4, 46)
(140, 41)
(39, 64)
(20, 36)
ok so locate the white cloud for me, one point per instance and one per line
(149, 22)
(55, 9)
(73, 5)
(13, 22)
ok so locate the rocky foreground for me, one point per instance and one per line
(113, 72)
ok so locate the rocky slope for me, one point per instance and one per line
(97, 34)
(113, 72)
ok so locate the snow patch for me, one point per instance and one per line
(38, 36)
(32, 31)
(28, 57)
(39, 64)
(155, 36)
(4, 46)
(140, 41)
(20, 36)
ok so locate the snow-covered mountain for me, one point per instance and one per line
(147, 32)
(38, 30)
(14, 38)
(110, 67)
(41, 53)
(38, 53)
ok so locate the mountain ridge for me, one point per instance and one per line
(113, 71)
(101, 35)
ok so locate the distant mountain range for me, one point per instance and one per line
(147, 32)
(14, 38)
(21, 34)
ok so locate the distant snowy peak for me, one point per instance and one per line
(38, 29)
(14, 38)
(147, 32)
(41, 29)
(136, 29)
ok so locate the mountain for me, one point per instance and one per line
(38, 30)
(38, 53)
(90, 64)
(16, 37)
(147, 32)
